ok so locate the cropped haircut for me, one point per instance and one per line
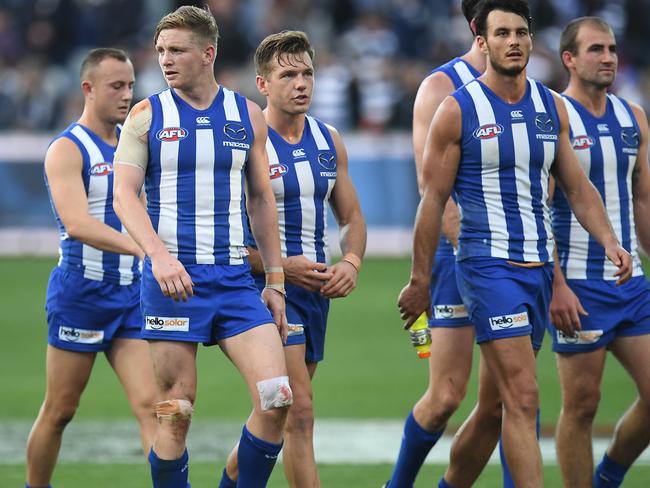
(519, 7)
(96, 56)
(277, 45)
(469, 9)
(198, 21)
(568, 39)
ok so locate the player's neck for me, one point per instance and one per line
(592, 98)
(289, 126)
(475, 57)
(201, 95)
(511, 89)
(103, 129)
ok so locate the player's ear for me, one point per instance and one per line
(209, 54)
(261, 82)
(86, 87)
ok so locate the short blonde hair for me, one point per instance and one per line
(196, 20)
(277, 45)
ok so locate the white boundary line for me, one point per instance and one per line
(337, 441)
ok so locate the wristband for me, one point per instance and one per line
(353, 259)
(273, 269)
(277, 287)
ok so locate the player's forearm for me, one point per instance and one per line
(558, 275)
(641, 212)
(451, 222)
(352, 236)
(589, 210)
(97, 234)
(134, 217)
(426, 234)
(264, 224)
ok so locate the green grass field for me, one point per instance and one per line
(370, 372)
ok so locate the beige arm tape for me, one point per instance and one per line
(133, 148)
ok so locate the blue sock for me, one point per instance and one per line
(416, 444)
(609, 474)
(443, 484)
(256, 458)
(507, 477)
(169, 474)
(27, 486)
(226, 482)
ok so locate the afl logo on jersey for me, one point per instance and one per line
(277, 170)
(235, 131)
(327, 160)
(488, 131)
(582, 142)
(101, 169)
(171, 134)
(630, 137)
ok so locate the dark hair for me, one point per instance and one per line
(469, 9)
(96, 56)
(568, 39)
(519, 7)
(197, 20)
(277, 45)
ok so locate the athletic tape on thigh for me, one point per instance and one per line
(275, 392)
(174, 410)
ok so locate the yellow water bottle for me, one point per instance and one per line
(421, 336)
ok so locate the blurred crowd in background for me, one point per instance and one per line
(371, 55)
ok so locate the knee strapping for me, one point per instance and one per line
(275, 393)
(174, 410)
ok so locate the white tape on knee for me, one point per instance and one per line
(174, 410)
(275, 392)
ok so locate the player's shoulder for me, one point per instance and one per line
(435, 84)
(63, 150)
(142, 106)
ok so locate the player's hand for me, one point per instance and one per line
(342, 282)
(305, 273)
(566, 309)
(413, 300)
(274, 301)
(622, 260)
(170, 274)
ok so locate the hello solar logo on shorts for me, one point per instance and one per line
(168, 324)
(512, 321)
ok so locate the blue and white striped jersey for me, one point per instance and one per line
(97, 175)
(459, 72)
(302, 177)
(607, 149)
(502, 181)
(194, 176)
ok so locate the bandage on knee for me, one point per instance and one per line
(174, 410)
(275, 392)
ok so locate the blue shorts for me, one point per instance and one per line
(614, 311)
(447, 307)
(504, 300)
(226, 303)
(307, 317)
(86, 315)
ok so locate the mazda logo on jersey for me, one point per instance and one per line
(327, 160)
(544, 123)
(630, 137)
(171, 134)
(235, 131)
(277, 170)
(582, 142)
(488, 131)
(101, 169)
